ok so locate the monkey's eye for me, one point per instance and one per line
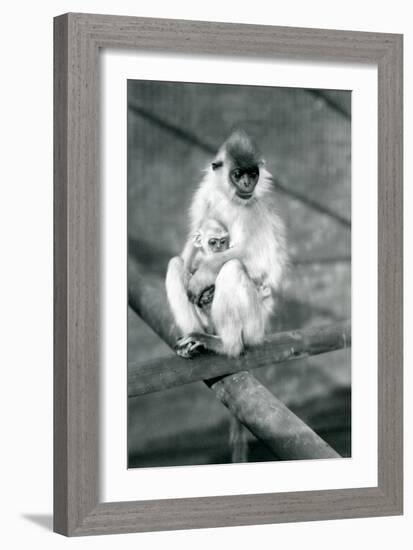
(236, 174)
(223, 242)
(212, 242)
(253, 173)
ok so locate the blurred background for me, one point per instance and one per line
(174, 130)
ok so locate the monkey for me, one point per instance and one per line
(211, 238)
(241, 283)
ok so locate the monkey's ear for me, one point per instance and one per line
(216, 164)
(196, 237)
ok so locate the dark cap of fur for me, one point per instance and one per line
(242, 149)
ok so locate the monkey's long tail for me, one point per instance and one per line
(238, 441)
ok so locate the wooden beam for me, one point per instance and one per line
(254, 406)
(168, 372)
(269, 419)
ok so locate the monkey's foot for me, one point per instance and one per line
(206, 296)
(188, 346)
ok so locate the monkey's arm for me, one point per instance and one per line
(188, 255)
(207, 272)
(176, 289)
(216, 261)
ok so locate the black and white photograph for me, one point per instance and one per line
(239, 273)
(203, 232)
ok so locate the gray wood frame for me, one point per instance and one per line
(78, 39)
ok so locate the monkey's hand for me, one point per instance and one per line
(201, 287)
(264, 291)
(188, 346)
(206, 297)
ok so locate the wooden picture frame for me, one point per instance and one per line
(78, 39)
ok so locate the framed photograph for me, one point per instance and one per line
(228, 274)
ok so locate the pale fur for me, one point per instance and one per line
(254, 226)
(209, 228)
(183, 311)
(240, 311)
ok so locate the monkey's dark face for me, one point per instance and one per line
(244, 179)
(240, 160)
(218, 244)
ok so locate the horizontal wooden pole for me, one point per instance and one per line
(168, 372)
(254, 406)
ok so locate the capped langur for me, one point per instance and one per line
(211, 238)
(240, 283)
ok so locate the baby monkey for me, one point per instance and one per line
(211, 238)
